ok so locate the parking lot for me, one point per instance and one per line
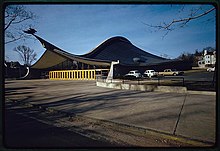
(196, 80)
(188, 115)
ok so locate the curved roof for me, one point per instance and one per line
(120, 48)
(113, 49)
(54, 55)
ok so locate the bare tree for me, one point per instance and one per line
(15, 18)
(193, 14)
(26, 54)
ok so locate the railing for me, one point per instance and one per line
(73, 75)
(165, 81)
(77, 74)
(160, 80)
(101, 78)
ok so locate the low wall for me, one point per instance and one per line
(156, 88)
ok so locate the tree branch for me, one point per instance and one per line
(16, 22)
(26, 54)
(186, 20)
(182, 22)
(9, 23)
(15, 16)
(15, 39)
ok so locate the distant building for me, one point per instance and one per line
(13, 64)
(14, 69)
(208, 59)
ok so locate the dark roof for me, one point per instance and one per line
(210, 53)
(113, 49)
(120, 48)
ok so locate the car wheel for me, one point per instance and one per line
(174, 74)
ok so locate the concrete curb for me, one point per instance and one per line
(201, 92)
(143, 131)
(147, 131)
(151, 88)
(142, 87)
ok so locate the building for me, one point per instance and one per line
(14, 70)
(59, 64)
(208, 59)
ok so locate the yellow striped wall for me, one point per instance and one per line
(73, 75)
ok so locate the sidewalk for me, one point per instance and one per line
(189, 115)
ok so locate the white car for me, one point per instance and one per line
(134, 74)
(211, 69)
(150, 73)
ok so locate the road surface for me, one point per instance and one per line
(25, 131)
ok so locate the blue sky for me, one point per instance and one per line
(80, 28)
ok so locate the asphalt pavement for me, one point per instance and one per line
(189, 115)
(23, 130)
(199, 76)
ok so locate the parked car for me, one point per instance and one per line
(170, 72)
(150, 73)
(133, 74)
(211, 69)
